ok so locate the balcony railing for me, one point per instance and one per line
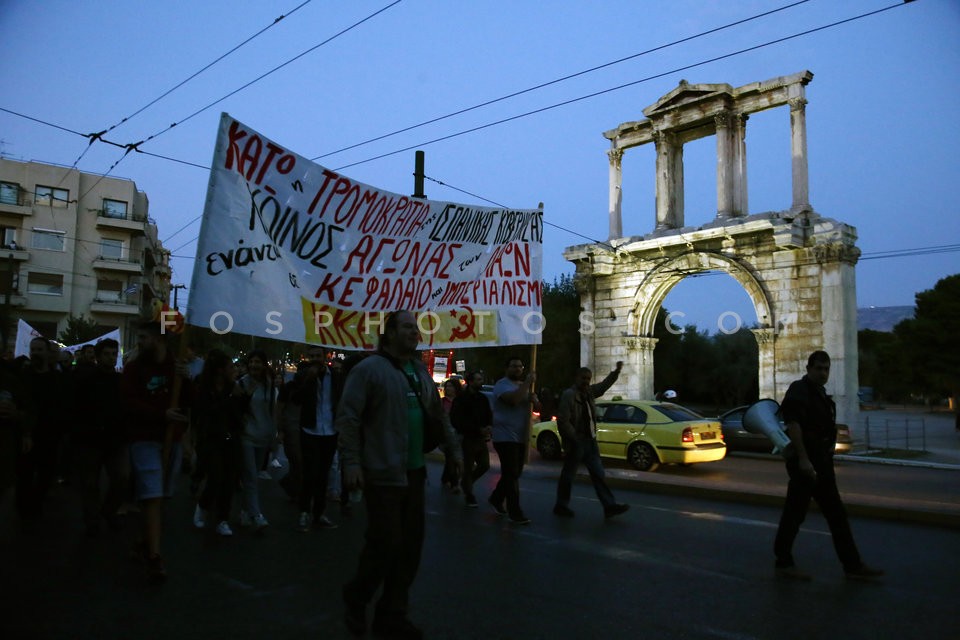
(19, 199)
(18, 203)
(127, 265)
(129, 216)
(119, 260)
(108, 302)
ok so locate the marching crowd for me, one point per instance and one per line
(357, 427)
(350, 430)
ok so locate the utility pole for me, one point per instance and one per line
(176, 289)
(5, 313)
(418, 175)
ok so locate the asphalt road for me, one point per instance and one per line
(674, 566)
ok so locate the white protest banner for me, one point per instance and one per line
(291, 250)
(25, 333)
(110, 335)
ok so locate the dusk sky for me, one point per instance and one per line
(883, 136)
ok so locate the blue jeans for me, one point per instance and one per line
(582, 449)
(253, 458)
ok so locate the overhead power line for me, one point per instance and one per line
(622, 86)
(194, 75)
(487, 103)
(43, 122)
(135, 147)
(598, 93)
(271, 71)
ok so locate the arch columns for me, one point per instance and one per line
(727, 165)
(638, 367)
(669, 187)
(798, 153)
(766, 363)
(616, 193)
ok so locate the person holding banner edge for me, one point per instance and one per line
(513, 395)
(389, 415)
(810, 417)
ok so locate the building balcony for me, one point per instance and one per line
(114, 306)
(132, 222)
(123, 265)
(18, 206)
(19, 254)
(16, 298)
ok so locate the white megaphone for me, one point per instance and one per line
(761, 417)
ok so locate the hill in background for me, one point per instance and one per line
(882, 318)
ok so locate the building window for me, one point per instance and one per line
(48, 284)
(10, 193)
(51, 196)
(111, 249)
(114, 209)
(109, 290)
(47, 239)
(8, 238)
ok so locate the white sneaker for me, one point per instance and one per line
(264, 475)
(223, 529)
(245, 520)
(199, 517)
(303, 524)
(260, 522)
(323, 522)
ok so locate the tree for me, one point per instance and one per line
(80, 329)
(930, 340)
(880, 352)
(558, 355)
(736, 379)
(666, 354)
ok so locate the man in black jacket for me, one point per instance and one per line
(810, 416)
(472, 417)
(314, 390)
(97, 436)
(577, 424)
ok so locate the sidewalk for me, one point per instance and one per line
(912, 436)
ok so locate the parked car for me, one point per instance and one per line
(739, 439)
(644, 433)
(844, 439)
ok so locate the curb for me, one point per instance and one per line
(866, 458)
(884, 509)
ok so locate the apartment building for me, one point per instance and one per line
(75, 243)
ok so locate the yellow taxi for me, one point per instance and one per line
(644, 433)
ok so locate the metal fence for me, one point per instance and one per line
(908, 434)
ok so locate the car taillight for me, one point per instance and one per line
(687, 435)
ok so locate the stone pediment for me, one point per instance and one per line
(685, 94)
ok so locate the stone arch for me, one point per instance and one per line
(796, 266)
(658, 282)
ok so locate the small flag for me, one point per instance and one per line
(132, 289)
